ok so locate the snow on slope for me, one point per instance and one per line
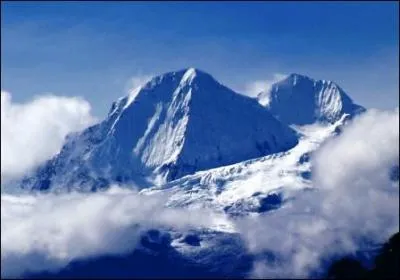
(301, 100)
(255, 185)
(176, 124)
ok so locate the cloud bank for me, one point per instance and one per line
(46, 232)
(32, 132)
(354, 201)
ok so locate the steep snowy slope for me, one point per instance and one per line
(176, 124)
(255, 185)
(301, 100)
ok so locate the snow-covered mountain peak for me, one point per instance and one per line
(189, 75)
(300, 100)
(176, 79)
(176, 124)
(294, 78)
(186, 75)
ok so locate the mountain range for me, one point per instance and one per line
(200, 145)
(183, 122)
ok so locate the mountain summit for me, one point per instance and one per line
(301, 100)
(176, 124)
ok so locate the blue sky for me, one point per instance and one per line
(95, 49)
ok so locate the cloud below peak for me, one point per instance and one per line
(353, 200)
(34, 131)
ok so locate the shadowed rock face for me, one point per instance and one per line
(394, 173)
(192, 240)
(386, 264)
(270, 202)
(301, 100)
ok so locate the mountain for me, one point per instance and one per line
(301, 100)
(176, 124)
(201, 146)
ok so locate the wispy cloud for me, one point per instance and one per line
(137, 81)
(252, 89)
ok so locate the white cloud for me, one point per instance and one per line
(254, 88)
(46, 232)
(353, 200)
(33, 132)
(369, 143)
